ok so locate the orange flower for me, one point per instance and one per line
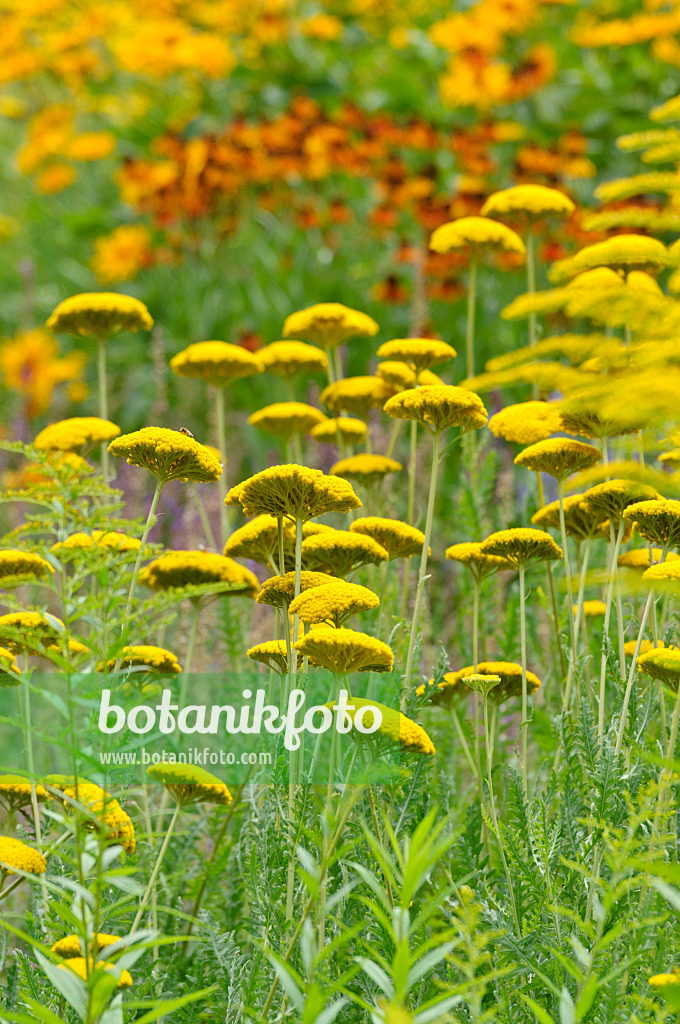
(30, 364)
(121, 255)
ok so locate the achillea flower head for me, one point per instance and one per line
(293, 491)
(79, 965)
(257, 540)
(558, 456)
(621, 252)
(582, 415)
(146, 656)
(394, 727)
(328, 324)
(347, 428)
(17, 856)
(639, 559)
(418, 353)
(663, 572)
(102, 811)
(10, 673)
(400, 376)
(333, 603)
(630, 647)
(356, 395)
(476, 235)
(454, 685)
(657, 520)
(400, 540)
(115, 540)
(280, 590)
(521, 546)
(72, 945)
(345, 650)
(288, 358)
(31, 632)
(611, 498)
(80, 434)
(668, 985)
(591, 609)
(438, 407)
(640, 281)
(365, 468)
(528, 202)
(339, 552)
(271, 653)
(17, 566)
(574, 347)
(194, 568)
(190, 784)
(579, 519)
(217, 362)
(663, 664)
(479, 563)
(526, 422)
(99, 315)
(287, 418)
(15, 792)
(168, 455)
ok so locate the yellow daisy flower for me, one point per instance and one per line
(328, 324)
(356, 395)
(99, 315)
(81, 435)
(287, 418)
(346, 428)
(345, 650)
(528, 202)
(288, 358)
(526, 422)
(476, 235)
(216, 362)
(17, 856)
(365, 468)
(418, 353)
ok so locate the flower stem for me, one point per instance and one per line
(222, 445)
(103, 401)
(470, 321)
(523, 645)
(551, 588)
(156, 869)
(150, 519)
(492, 799)
(613, 565)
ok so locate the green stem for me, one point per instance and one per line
(156, 869)
(470, 321)
(220, 416)
(492, 799)
(567, 569)
(150, 520)
(613, 567)
(395, 434)
(103, 401)
(523, 646)
(551, 588)
(203, 516)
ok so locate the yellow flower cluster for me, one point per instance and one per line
(591, 609)
(168, 455)
(153, 659)
(333, 603)
(10, 672)
(328, 324)
(17, 566)
(438, 407)
(611, 498)
(526, 422)
(418, 353)
(643, 558)
(480, 564)
(580, 519)
(288, 358)
(345, 650)
(99, 315)
(190, 784)
(79, 965)
(280, 590)
(293, 491)
(521, 546)
(257, 540)
(400, 540)
(365, 468)
(356, 395)
(271, 653)
(346, 428)
(394, 726)
(662, 664)
(510, 674)
(217, 362)
(531, 202)
(30, 631)
(339, 552)
(72, 945)
(98, 539)
(400, 375)
(16, 791)
(17, 856)
(79, 434)
(558, 456)
(100, 806)
(287, 418)
(657, 521)
(622, 252)
(477, 235)
(193, 568)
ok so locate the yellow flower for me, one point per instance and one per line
(293, 491)
(418, 353)
(116, 541)
(477, 561)
(194, 568)
(257, 540)
(288, 358)
(72, 945)
(190, 784)
(639, 558)
(669, 987)
(591, 609)
(400, 540)
(17, 856)
(574, 347)
(611, 498)
(10, 673)
(333, 603)
(521, 546)
(121, 255)
(454, 683)
(581, 414)
(665, 572)
(102, 810)
(168, 455)
(662, 664)
(394, 725)
(345, 650)
(356, 395)
(348, 429)
(328, 324)
(30, 631)
(81, 434)
(78, 965)
(622, 252)
(287, 418)
(526, 422)
(579, 519)
(400, 375)
(476, 235)
(280, 590)
(630, 647)
(271, 653)
(18, 566)
(30, 364)
(15, 792)
(530, 202)
(657, 520)
(153, 659)
(439, 406)
(339, 552)
(558, 456)
(99, 315)
(365, 468)
(217, 362)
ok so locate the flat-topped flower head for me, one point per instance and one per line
(333, 603)
(271, 653)
(347, 429)
(216, 362)
(257, 540)
(395, 727)
(621, 252)
(668, 985)
(79, 542)
(480, 563)
(80, 434)
(10, 673)
(439, 406)
(285, 419)
(339, 552)
(558, 457)
(345, 650)
(328, 324)
(288, 358)
(476, 236)
(400, 376)
(195, 568)
(657, 520)
(528, 202)
(356, 395)
(662, 664)
(17, 856)
(144, 656)
(365, 468)
(190, 784)
(580, 520)
(454, 684)
(522, 546)
(640, 559)
(30, 632)
(581, 416)
(611, 498)
(631, 647)
(418, 353)
(16, 792)
(17, 566)
(102, 811)
(293, 491)
(168, 455)
(79, 965)
(664, 572)
(591, 609)
(526, 422)
(99, 315)
(280, 590)
(400, 540)
(73, 945)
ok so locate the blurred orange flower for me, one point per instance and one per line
(30, 365)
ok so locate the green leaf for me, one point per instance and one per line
(541, 1015)
(169, 1005)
